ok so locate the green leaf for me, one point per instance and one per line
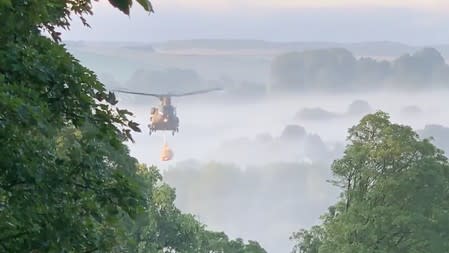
(111, 98)
(123, 5)
(5, 3)
(134, 126)
(100, 96)
(146, 5)
(123, 112)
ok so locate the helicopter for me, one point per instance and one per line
(164, 117)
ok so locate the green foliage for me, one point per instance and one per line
(395, 193)
(125, 5)
(66, 176)
(146, 5)
(308, 241)
(22, 18)
(219, 242)
(163, 227)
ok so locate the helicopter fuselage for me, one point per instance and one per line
(164, 119)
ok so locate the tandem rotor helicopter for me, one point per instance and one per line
(164, 118)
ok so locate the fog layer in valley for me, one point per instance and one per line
(208, 129)
(253, 163)
(274, 165)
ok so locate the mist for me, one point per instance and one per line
(207, 128)
(248, 160)
(251, 138)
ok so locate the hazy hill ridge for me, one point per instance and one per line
(369, 48)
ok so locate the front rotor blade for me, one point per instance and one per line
(138, 93)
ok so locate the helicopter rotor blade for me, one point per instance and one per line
(138, 93)
(195, 92)
(169, 94)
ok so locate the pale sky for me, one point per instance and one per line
(214, 4)
(415, 22)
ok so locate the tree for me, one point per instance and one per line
(426, 65)
(214, 242)
(395, 193)
(66, 177)
(308, 241)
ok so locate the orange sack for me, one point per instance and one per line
(167, 153)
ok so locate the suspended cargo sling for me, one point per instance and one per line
(166, 153)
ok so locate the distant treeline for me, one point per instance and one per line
(338, 70)
(331, 69)
(372, 48)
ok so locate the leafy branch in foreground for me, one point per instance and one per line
(67, 181)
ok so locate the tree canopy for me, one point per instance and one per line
(395, 194)
(67, 181)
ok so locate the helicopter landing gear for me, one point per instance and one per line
(150, 130)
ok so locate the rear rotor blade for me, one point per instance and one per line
(195, 92)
